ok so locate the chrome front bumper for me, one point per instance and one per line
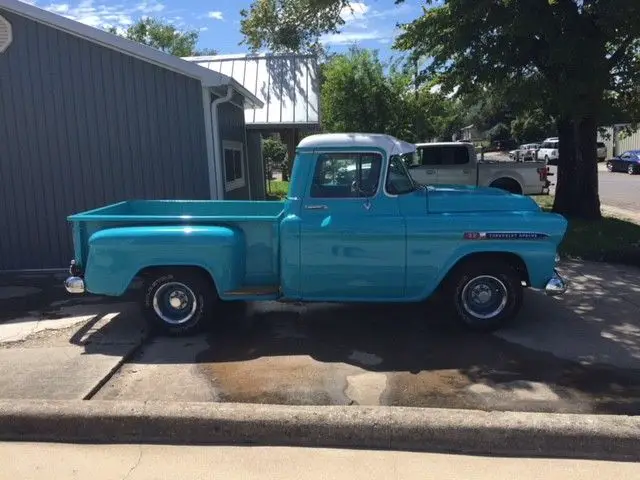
(74, 285)
(556, 285)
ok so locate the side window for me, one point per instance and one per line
(456, 156)
(625, 155)
(346, 175)
(398, 179)
(233, 165)
(430, 156)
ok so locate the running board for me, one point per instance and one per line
(266, 291)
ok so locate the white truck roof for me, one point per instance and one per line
(391, 145)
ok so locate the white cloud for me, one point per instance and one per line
(102, 14)
(204, 29)
(217, 15)
(346, 38)
(354, 12)
(149, 7)
(58, 7)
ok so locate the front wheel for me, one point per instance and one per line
(178, 301)
(632, 169)
(485, 295)
(610, 166)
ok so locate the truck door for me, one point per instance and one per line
(454, 165)
(353, 237)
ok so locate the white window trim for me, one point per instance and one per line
(5, 23)
(238, 182)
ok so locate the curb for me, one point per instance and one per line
(397, 428)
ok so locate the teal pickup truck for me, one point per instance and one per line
(354, 228)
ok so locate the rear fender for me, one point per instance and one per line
(116, 255)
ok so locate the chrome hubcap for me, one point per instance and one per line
(175, 303)
(484, 297)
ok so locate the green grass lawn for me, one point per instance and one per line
(606, 240)
(277, 189)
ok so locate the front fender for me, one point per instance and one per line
(116, 255)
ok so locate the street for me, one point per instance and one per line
(619, 190)
(333, 354)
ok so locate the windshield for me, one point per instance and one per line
(398, 179)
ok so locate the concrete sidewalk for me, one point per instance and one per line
(56, 346)
(146, 462)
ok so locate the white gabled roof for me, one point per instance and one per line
(287, 84)
(209, 78)
(391, 145)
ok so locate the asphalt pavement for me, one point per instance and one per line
(619, 190)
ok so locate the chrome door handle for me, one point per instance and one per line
(315, 207)
(431, 171)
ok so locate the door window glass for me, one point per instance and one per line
(344, 175)
(398, 179)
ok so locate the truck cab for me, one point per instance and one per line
(355, 227)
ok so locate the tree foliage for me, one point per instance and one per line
(358, 96)
(290, 25)
(163, 36)
(578, 59)
(274, 155)
(532, 126)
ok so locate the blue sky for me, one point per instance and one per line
(369, 24)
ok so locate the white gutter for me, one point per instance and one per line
(217, 147)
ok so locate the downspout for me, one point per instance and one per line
(217, 146)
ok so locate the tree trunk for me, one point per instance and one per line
(577, 182)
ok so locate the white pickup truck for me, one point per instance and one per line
(457, 163)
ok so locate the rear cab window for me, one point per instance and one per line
(443, 155)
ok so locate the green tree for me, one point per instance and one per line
(163, 36)
(570, 56)
(532, 126)
(290, 25)
(356, 96)
(274, 155)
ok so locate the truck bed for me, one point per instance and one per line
(258, 221)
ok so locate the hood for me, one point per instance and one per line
(462, 198)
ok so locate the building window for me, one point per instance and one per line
(233, 165)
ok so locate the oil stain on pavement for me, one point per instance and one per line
(389, 355)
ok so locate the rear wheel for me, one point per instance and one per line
(507, 184)
(485, 295)
(178, 301)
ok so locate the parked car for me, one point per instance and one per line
(602, 152)
(379, 238)
(548, 151)
(524, 153)
(452, 163)
(627, 162)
